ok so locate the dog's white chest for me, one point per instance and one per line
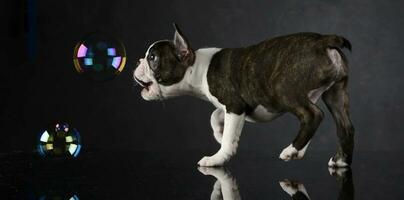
(205, 56)
(212, 99)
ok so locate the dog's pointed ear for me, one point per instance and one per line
(184, 50)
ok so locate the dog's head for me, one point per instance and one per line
(164, 65)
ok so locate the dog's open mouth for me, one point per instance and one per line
(144, 84)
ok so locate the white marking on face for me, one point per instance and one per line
(144, 73)
(154, 43)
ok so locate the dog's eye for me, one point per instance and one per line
(152, 57)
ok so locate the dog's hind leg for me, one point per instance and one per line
(310, 117)
(337, 101)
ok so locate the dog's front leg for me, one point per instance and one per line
(217, 123)
(233, 124)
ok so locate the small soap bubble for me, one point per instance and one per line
(59, 141)
(99, 57)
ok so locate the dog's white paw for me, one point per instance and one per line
(211, 161)
(338, 163)
(337, 171)
(288, 153)
(291, 152)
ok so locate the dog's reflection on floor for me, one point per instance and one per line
(226, 188)
(345, 183)
(343, 176)
(295, 189)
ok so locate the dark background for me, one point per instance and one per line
(38, 83)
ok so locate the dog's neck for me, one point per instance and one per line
(194, 82)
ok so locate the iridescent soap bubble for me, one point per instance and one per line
(99, 57)
(59, 141)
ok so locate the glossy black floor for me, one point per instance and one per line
(117, 174)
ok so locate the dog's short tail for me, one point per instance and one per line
(337, 42)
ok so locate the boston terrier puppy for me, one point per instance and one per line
(257, 83)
